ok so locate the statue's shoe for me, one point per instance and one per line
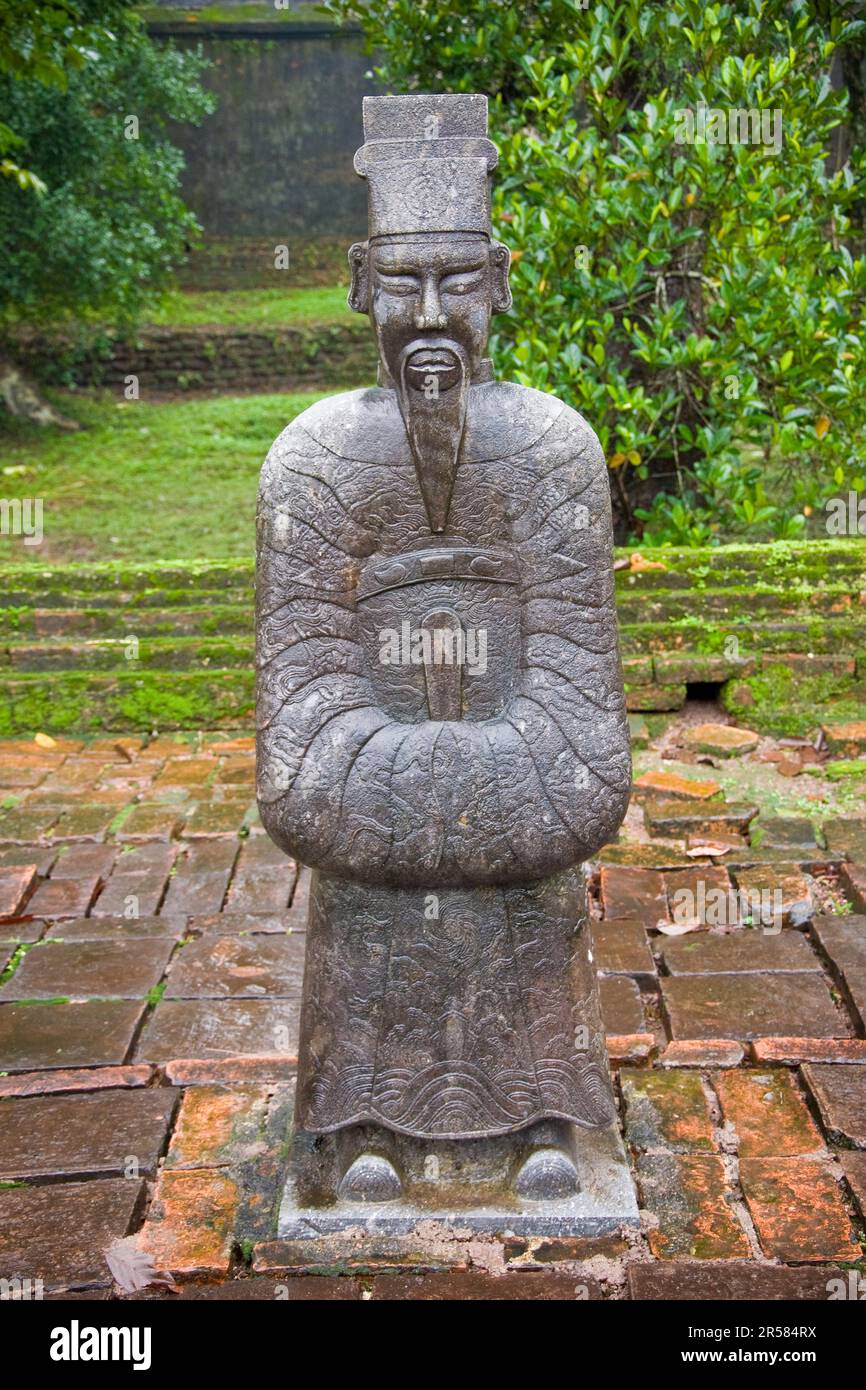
(370, 1178)
(548, 1175)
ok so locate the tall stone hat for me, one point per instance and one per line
(427, 161)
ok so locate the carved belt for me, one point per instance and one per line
(420, 566)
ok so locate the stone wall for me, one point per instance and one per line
(778, 630)
(272, 165)
(170, 360)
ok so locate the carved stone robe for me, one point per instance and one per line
(449, 986)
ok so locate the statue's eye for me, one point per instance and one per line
(463, 283)
(395, 282)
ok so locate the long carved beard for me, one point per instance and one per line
(435, 425)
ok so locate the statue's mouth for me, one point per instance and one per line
(432, 368)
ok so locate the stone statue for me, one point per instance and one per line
(441, 731)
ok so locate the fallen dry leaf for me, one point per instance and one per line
(708, 849)
(133, 1269)
(45, 741)
(686, 924)
(638, 562)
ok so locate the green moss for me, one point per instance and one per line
(779, 700)
(76, 702)
(845, 767)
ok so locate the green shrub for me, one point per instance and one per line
(698, 301)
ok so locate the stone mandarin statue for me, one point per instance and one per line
(441, 724)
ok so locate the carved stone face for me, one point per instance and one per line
(430, 297)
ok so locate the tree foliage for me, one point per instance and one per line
(700, 302)
(91, 218)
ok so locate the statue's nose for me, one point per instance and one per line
(430, 314)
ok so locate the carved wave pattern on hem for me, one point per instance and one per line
(459, 1101)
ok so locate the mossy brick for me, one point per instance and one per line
(798, 1209)
(841, 769)
(638, 730)
(722, 740)
(672, 785)
(693, 667)
(666, 1110)
(782, 701)
(668, 816)
(190, 1224)
(846, 740)
(116, 654)
(646, 698)
(689, 1196)
(143, 700)
(218, 1126)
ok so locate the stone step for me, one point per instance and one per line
(737, 606)
(65, 586)
(800, 563)
(705, 638)
(121, 598)
(91, 702)
(220, 619)
(131, 654)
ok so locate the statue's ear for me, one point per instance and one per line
(359, 290)
(500, 260)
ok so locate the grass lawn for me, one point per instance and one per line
(264, 308)
(144, 481)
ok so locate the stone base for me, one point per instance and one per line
(605, 1202)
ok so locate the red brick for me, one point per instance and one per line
(276, 1066)
(739, 1281)
(621, 1008)
(797, 1209)
(620, 947)
(853, 879)
(840, 1093)
(64, 897)
(671, 784)
(854, 1168)
(262, 890)
(768, 1114)
(746, 1006)
(629, 1047)
(16, 884)
(779, 890)
(633, 893)
(704, 1053)
(792, 1051)
(42, 1083)
(701, 896)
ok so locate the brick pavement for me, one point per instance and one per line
(152, 942)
